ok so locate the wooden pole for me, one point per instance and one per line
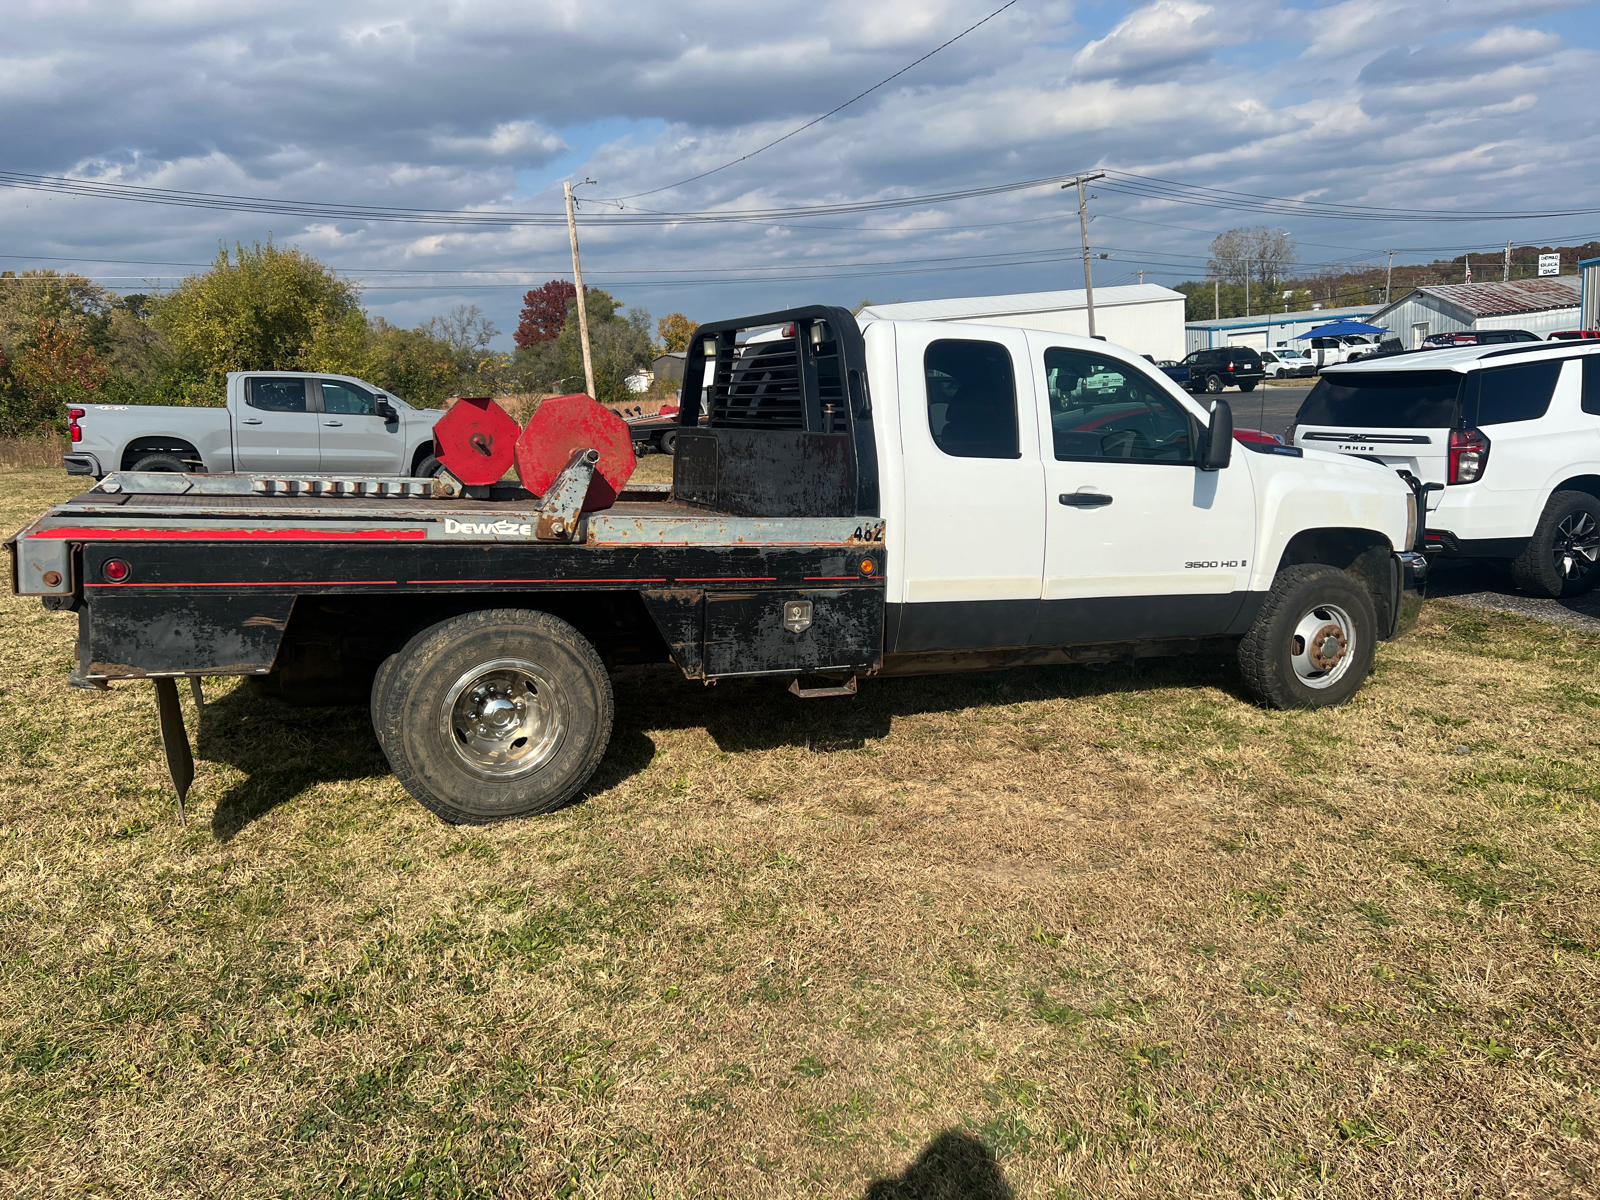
(1083, 230)
(577, 278)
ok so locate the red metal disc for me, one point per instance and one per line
(567, 423)
(476, 440)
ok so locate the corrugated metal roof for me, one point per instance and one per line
(1299, 316)
(1502, 299)
(1021, 302)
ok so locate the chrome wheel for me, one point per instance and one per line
(1576, 545)
(504, 718)
(1323, 646)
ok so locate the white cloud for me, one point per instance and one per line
(526, 143)
(1155, 39)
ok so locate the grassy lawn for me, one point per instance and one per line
(1092, 934)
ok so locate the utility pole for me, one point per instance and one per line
(1083, 228)
(1388, 277)
(1141, 276)
(577, 278)
(1216, 299)
(1506, 278)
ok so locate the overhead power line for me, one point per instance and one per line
(666, 187)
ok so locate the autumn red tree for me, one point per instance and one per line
(544, 312)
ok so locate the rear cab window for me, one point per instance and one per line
(972, 399)
(277, 395)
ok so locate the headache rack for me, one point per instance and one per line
(788, 429)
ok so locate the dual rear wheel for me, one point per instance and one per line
(493, 714)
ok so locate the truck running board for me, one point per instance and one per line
(847, 688)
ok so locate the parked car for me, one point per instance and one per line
(1482, 337)
(1226, 366)
(1389, 344)
(1283, 363)
(1507, 438)
(1176, 371)
(1328, 351)
(655, 432)
(1574, 335)
(963, 520)
(274, 421)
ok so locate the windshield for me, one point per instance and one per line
(1386, 399)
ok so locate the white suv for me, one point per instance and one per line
(1507, 438)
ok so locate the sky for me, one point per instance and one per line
(1443, 108)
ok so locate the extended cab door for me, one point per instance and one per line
(275, 429)
(1140, 542)
(354, 439)
(974, 490)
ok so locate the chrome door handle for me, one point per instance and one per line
(333, 423)
(1085, 499)
(250, 420)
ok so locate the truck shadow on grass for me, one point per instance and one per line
(282, 750)
(285, 750)
(761, 714)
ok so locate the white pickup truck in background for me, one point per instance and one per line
(275, 422)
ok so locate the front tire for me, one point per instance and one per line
(427, 468)
(1312, 643)
(1560, 560)
(495, 714)
(1214, 384)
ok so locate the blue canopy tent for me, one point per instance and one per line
(1339, 329)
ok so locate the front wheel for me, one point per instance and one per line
(1312, 643)
(1214, 384)
(1560, 560)
(427, 468)
(495, 714)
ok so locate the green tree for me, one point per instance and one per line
(619, 347)
(261, 310)
(676, 331)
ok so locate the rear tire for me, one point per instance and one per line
(166, 463)
(494, 714)
(1248, 385)
(669, 441)
(1559, 561)
(1312, 643)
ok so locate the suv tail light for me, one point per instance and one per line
(1469, 455)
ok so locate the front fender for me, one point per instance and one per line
(1321, 491)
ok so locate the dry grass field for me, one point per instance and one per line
(1050, 933)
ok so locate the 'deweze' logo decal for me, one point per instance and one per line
(488, 528)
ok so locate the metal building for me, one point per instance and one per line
(1589, 273)
(1144, 317)
(1267, 330)
(1540, 306)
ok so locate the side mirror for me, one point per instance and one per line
(1219, 442)
(387, 412)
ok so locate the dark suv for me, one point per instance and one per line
(1213, 370)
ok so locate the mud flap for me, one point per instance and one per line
(175, 741)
